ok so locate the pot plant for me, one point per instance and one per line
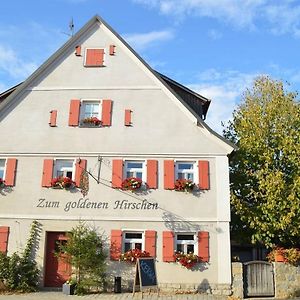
(188, 260)
(92, 121)
(133, 254)
(62, 183)
(132, 184)
(184, 185)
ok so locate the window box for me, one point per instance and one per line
(133, 254)
(184, 185)
(91, 122)
(62, 183)
(188, 260)
(132, 184)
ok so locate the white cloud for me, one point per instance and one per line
(140, 41)
(279, 17)
(225, 90)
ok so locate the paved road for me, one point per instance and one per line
(46, 295)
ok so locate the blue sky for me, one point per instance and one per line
(215, 47)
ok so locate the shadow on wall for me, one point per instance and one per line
(204, 287)
(6, 190)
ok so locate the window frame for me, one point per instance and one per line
(185, 243)
(143, 169)
(82, 112)
(85, 57)
(4, 167)
(194, 171)
(133, 240)
(65, 169)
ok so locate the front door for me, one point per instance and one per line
(57, 269)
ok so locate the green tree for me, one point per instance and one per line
(84, 250)
(265, 169)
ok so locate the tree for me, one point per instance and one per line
(265, 169)
(84, 250)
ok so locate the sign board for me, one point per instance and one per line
(145, 275)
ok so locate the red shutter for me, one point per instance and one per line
(168, 246)
(117, 173)
(74, 112)
(127, 117)
(10, 173)
(78, 50)
(106, 112)
(150, 242)
(169, 175)
(203, 167)
(4, 232)
(115, 244)
(53, 116)
(152, 174)
(94, 57)
(47, 172)
(203, 246)
(79, 167)
(112, 49)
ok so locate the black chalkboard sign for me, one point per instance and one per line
(145, 276)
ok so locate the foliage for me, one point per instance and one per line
(93, 121)
(2, 183)
(84, 183)
(184, 185)
(265, 169)
(62, 182)
(188, 260)
(291, 255)
(131, 183)
(84, 251)
(20, 272)
(133, 254)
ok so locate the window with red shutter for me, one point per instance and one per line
(152, 167)
(203, 166)
(115, 244)
(4, 233)
(79, 168)
(168, 246)
(10, 174)
(203, 246)
(169, 175)
(127, 121)
(94, 57)
(74, 112)
(150, 242)
(53, 116)
(117, 173)
(106, 112)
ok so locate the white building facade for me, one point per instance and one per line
(96, 106)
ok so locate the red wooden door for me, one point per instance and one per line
(57, 269)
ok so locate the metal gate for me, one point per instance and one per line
(258, 279)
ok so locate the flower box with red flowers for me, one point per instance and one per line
(2, 183)
(132, 184)
(133, 254)
(186, 260)
(184, 185)
(62, 183)
(91, 122)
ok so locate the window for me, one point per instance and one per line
(133, 240)
(2, 168)
(135, 169)
(185, 170)
(90, 113)
(94, 57)
(63, 168)
(186, 242)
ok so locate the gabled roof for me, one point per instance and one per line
(196, 104)
(6, 93)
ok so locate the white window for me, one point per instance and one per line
(90, 113)
(133, 240)
(2, 168)
(135, 169)
(186, 242)
(185, 170)
(64, 168)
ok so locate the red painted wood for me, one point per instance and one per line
(168, 246)
(57, 269)
(150, 242)
(203, 246)
(115, 244)
(10, 174)
(74, 112)
(117, 173)
(53, 116)
(47, 172)
(203, 167)
(4, 233)
(127, 121)
(78, 50)
(106, 112)
(79, 167)
(94, 57)
(169, 175)
(152, 173)
(112, 49)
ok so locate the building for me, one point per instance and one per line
(95, 105)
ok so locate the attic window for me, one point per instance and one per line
(94, 57)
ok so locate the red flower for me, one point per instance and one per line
(133, 254)
(187, 260)
(62, 182)
(131, 183)
(184, 185)
(93, 120)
